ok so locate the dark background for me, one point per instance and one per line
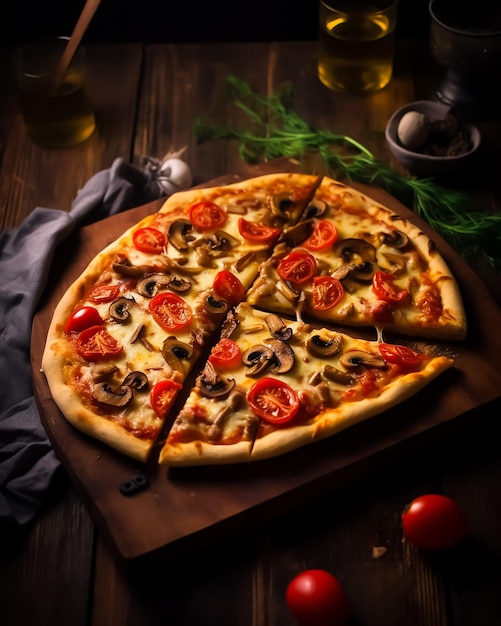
(175, 21)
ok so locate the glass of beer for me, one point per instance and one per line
(356, 44)
(57, 110)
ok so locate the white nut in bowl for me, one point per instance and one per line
(413, 129)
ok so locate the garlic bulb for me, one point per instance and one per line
(413, 129)
(174, 175)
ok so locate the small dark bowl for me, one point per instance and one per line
(420, 164)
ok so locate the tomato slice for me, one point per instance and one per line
(399, 355)
(170, 311)
(297, 267)
(225, 353)
(103, 293)
(149, 240)
(383, 287)
(162, 396)
(327, 292)
(206, 215)
(96, 344)
(228, 287)
(273, 400)
(324, 235)
(257, 233)
(82, 318)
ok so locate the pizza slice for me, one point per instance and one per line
(129, 330)
(272, 385)
(361, 265)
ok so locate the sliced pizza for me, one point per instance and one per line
(272, 385)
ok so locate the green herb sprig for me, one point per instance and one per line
(275, 130)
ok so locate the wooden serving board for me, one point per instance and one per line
(185, 507)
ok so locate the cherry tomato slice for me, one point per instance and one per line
(383, 287)
(149, 240)
(399, 355)
(316, 598)
(297, 267)
(206, 216)
(273, 400)
(226, 353)
(228, 287)
(103, 293)
(96, 344)
(170, 311)
(327, 292)
(257, 233)
(324, 235)
(162, 396)
(82, 318)
(434, 522)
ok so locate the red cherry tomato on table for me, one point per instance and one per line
(82, 318)
(206, 216)
(316, 598)
(383, 287)
(324, 235)
(434, 522)
(149, 240)
(96, 344)
(257, 233)
(273, 400)
(225, 353)
(297, 267)
(170, 311)
(228, 287)
(327, 292)
(162, 396)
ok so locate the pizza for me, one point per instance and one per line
(224, 327)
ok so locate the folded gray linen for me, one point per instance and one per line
(27, 461)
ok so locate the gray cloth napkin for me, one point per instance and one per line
(27, 461)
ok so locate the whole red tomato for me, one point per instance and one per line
(316, 598)
(434, 522)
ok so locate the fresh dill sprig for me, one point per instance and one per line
(275, 130)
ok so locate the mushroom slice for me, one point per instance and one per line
(136, 380)
(229, 325)
(351, 248)
(396, 239)
(277, 327)
(179, 285)
(233, 403)
(120, 308)
(314, 209)
(257, 358)
(215, 306)
(179, 234)
(295, 235)
(336, 375)
(104, 392)
(124, 267)
(175, 351)
(212, 385)
(364, 271)
(355, 358)
(287, 290)
(245, 260)
(283, 356)
(151, 284)
(323, 344)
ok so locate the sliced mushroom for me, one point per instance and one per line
(215, 306)
(221, 240)
(282, 204)
(124, 267)
(351, 248)
(233, 403)
(257, 359)
(364, 271)
(136, 380)
(336, 375)
(229, 325)
(355, 358)
(323, 344)
(314, 209)
(104, 392)
(151, 284)
(179, 234)
(212, 385)
(120, 309)
(277, 327)
(295, 235)
(287, 290)
(245, 260)
(283, 356)
(175, 351)
(396, 239)
(179, 285)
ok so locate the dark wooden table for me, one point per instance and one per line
(59, 570)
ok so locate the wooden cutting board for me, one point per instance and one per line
(185, 507)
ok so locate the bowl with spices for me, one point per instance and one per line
(428, 139)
